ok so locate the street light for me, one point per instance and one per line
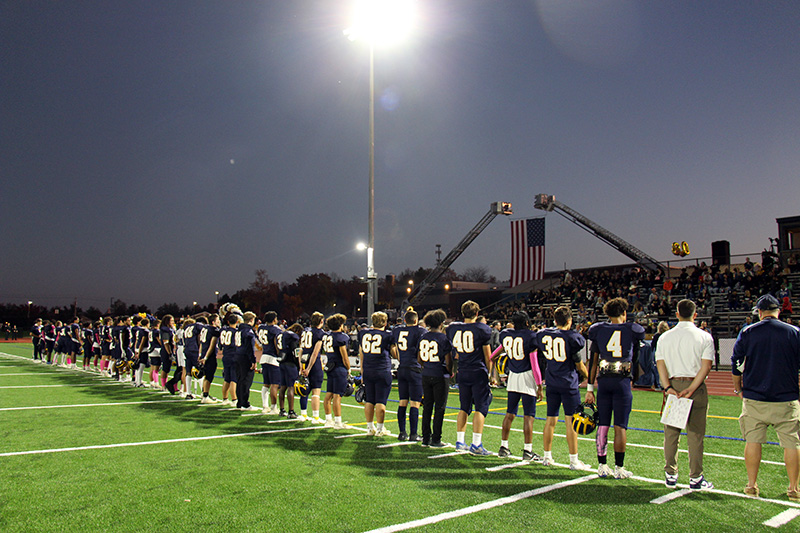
(377, 22)
(29, 310)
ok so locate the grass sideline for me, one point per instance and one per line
(206, 468)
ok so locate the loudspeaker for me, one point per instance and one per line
(721, 253)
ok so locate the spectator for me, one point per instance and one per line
(765, 364)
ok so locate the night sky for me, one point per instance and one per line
(160, 151)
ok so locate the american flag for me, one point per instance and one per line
(527, 250)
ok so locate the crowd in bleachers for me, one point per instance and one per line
(652, 296)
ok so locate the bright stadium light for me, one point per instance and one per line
(381, 22)
(361, 246)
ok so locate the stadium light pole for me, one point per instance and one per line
(377, 22)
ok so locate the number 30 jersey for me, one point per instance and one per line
(561, 348)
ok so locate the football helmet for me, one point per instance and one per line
(584, 420)
(360, 394)
(502, 363)
(197, 373)
(122, 365)
(351, 387)
(301, 387)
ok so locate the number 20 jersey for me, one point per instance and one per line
(561, 348)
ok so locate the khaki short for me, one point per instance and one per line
(783, 416)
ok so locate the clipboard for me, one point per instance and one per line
(676, 411)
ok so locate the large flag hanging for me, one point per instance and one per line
(527, 250)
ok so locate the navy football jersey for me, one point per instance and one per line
(407, 340)
(615, 342)
(226, 342)
(518, 345)
(153, 339)
(375, 344)
(331, 344)
(287, 343)
(468, 341)
(207, 332)
(434, 347)
(266, 337)
(245, 341)
(308, 339)
(562, 349)
(191, 339)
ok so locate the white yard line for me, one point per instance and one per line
(674, 495)
(785, 503)
(398, 443)
(482, 506)
(51, 386)
(783, 518)
(22, 374)
(147, 443)
(86, 405)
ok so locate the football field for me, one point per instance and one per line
(82, 452)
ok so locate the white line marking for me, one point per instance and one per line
(674, 495)
(85, 405)
(451, 454)
(50, 386)
(508, 465)
(25, 374)
(168, 441)
(719, 491)
(783, 518)
(482, 507)
(400, 443)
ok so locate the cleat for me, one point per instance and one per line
(302, 418)
(383, 433)
(371, 432)
(503, 452)
(671, 480)
(414, 438)
(461, 447)
(329, 423)
(479, 450)
(548, 461)
(621, 473)
(531, 456)
(291, 415)
(793, 495)
(339, 425)
(579, 465)
(282, 412)
(403, 436)
(700, 484)
(604, 471)
(426, 442)
(206, 400)
(438, 444)
(316, 421)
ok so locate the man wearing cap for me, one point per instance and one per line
(684, 357)
(765, 364)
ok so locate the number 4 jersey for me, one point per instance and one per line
(615, 342)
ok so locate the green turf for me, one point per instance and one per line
(307, 479)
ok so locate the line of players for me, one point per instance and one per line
(427, 356)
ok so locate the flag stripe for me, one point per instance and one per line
(527, 250)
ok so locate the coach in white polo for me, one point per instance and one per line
(684, 357)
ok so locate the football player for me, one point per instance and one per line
(561, 347)
(154, 356)
(288, 344)
(105, 346)
(470, 340)
(409, 377)
(311, 344)
(49, 341)
(614, 356)
(226, 342)
(245, 360)
(191, 351)
(374, 347)
(270, 368)
(96, 344)
(74, 343)
(338, 369)
(87, 338)
(434, 355)
(209, 339)
(141, 345)
(166, 335)
(523, 382)
(36, 339)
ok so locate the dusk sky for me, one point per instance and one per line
(157, 151)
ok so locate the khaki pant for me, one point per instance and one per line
(695, 432)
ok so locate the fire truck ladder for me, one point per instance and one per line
(548, 202)
(422, 290)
